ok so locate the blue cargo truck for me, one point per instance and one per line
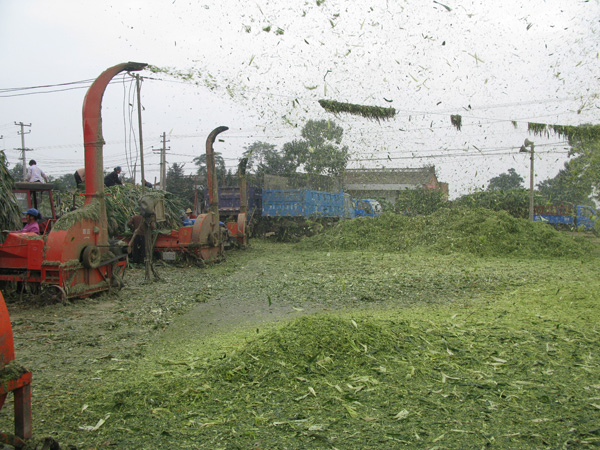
(304, 203)
(287, 213)
(312, 204)
(294, 203)
(572, 216)
(229, 201)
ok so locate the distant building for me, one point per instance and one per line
(387, 184)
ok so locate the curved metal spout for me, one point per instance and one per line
(242, 179)
(92, 128)
(211, 171)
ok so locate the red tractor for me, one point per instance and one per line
(74, 258)
(202, 241)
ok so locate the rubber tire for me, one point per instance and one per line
(90, 257)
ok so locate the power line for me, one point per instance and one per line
(291, 98)
(478, 149)
(45, 86)
(408, 112)
(445, 156)
(4, 95)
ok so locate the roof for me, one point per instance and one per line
(408, 177)
(25, 186)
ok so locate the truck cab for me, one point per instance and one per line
(579, 217)
(586, 217)
(367, 208)
(38, 196)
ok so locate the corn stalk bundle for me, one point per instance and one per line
(538, 129)
(66, 221)
(10, 214)
(580, 133)
(369, 112)
(122, 203)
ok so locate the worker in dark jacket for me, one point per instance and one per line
(79, 176)
(137, 244)
(113, 178)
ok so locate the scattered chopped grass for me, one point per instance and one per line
(417, 350)
(513, 373)
(456, 120)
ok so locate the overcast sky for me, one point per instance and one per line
(260, 67)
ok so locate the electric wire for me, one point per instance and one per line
(293, 98)
(248, 133)
(88, 81)
(4, 95)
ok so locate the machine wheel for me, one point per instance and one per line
(90, 257)
(52, 293)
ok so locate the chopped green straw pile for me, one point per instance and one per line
(516, 374)
(479, 232)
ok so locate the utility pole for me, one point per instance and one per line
(163, 162)
(523, 149)
(23, 148)
(139, 102)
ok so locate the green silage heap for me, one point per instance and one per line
(480, 232)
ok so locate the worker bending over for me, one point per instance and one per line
(35, 174)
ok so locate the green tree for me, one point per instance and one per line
(63, 183)
(180, 185)
(295, 154)
(263, 158)
(319, 152)
(514, 201)
(220, 168)
(231, 178)
(17, 172)
(325, 153)
(567, 186)
(506, 181)
(585, 146)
